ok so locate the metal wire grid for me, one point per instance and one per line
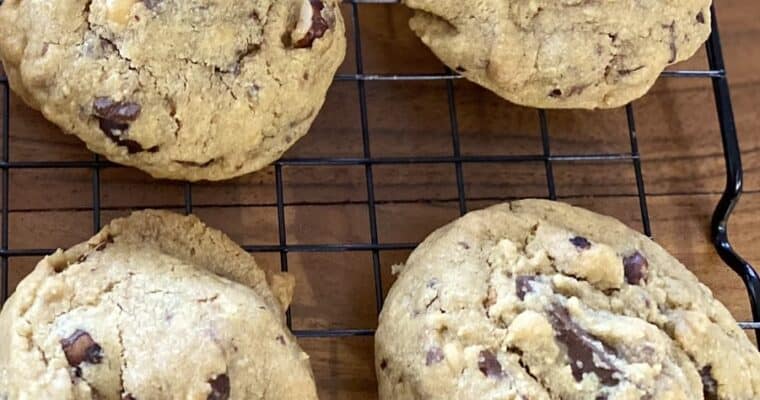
(716, 73)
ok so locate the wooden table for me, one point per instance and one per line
(678, 137)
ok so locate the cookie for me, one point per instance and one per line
(562, 54)
(155, 306)
(541, 300)
(191, 90)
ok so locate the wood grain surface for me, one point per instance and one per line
(678, 138)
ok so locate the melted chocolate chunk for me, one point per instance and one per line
(489, 365)
(580, 242)
(318, 26)
(80, 347)
(131, 145)
(624, 72)
(701, 17)
(114, 119)
(523, 285)
(709, 384)
(583, 348)
(434, 356)
(196, 164)
(673, 48)
(117, 111)
(636, 267)
(220, 388)
(383, 364)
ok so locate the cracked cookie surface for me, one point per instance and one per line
(562, 54)
(541, 300)
(156, 306)
(188, 90)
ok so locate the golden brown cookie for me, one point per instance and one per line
(156, 306)
(562, 54)
(541, 300)
(188, 90)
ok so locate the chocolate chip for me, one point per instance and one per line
(280, 339)
(461, 69)
(383, 364)
(587, 354)
(523, 285)
(636, 268)
(151, 4)
(253, 91)
(580, 242)
(80, 347)
(318, 26)
(220, 388)
(489, 365)
(555, 93)
(709, 384)
(701, 17)
(434, 356)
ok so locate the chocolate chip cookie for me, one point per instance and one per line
(540, 300)
(190, 90)
(155, 306)
(562, 54)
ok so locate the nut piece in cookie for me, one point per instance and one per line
(581, 258)
(120, 11)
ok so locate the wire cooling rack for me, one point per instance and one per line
(715, 73)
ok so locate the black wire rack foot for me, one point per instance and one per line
(734, 175)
